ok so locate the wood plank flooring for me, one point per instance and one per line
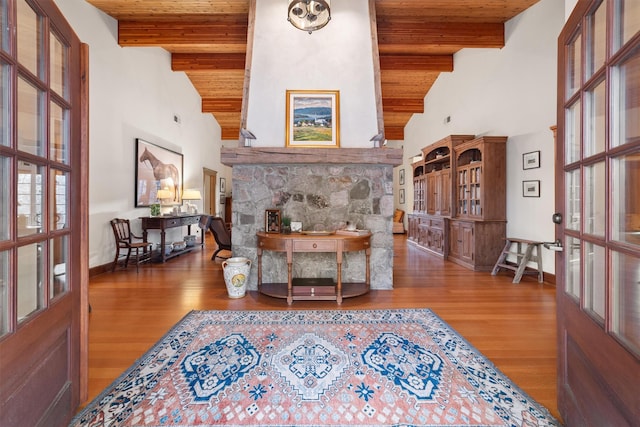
(514, 325)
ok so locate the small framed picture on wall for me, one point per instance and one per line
(531, 160)
(531, 188)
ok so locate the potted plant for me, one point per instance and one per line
(286, 225)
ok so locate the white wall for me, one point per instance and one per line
(507, 92)
(134, 94)
(337, 57)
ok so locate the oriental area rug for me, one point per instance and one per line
(313, 368)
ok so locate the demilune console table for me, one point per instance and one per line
(164, 222)
(313, 288)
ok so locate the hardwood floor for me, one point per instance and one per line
(514, 325)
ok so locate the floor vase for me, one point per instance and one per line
(236, 273)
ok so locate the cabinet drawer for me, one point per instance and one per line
(315, 246)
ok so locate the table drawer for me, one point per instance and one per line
(190, 220)
(272, 244)
(315, 246)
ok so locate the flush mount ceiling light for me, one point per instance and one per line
(309, 15)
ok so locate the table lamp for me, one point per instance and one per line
(162, 195)
(191, 194)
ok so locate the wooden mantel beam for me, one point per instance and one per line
(214, 30)
(288, 155)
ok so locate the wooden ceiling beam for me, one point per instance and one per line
(403, 105)
(416, 62)
(405, 31)
(226, 105)
(216, 30)
(394, 132)
(207, 61)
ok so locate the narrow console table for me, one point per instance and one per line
(313, 289)
(165, 222)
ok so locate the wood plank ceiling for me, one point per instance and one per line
(207, 40)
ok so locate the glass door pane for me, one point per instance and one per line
(30, 198)
(597, 40)
(572, 266)
(594, 199)
(59, 199)
(626, 198)
(574, 65)
(4, 292)
(30, 118)
(627, 21)
(573, 196)
(573, 134)
(58, 66)
(5, 232)
(5, 99)
(594, 281)
(626, 101)
(594, 134)
(30, 290)
(4, 21)
(59, 133)
(59, 266)
(30, 43)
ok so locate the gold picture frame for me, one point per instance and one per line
(313, 118)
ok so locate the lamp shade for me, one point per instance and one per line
(164, 194)
(191, 194)
(309, 15)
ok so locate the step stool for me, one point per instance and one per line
(523, 258)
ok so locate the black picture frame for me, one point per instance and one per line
(156, 168)
(223, 186)
(272, 220)
(401, 196)
(401, 177)
(531, 188)
(531, 160)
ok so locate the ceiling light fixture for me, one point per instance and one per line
(309, 15)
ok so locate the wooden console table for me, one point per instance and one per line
(164, 222)
(313, 289)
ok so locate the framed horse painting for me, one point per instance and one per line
(158, 175)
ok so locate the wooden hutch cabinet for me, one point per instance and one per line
(462, 201)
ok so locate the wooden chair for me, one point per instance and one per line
(126, 249)
(221, 234)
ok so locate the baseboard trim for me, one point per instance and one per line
(100, 269)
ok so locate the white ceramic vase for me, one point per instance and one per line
(236, 274)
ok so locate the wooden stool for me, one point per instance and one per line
(523, 258)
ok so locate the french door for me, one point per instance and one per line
(598, 197)
(43, 215)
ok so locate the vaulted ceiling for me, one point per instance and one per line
(207, 40)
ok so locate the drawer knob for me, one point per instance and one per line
(315, 245)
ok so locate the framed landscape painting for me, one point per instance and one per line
(157, 169)
(313, 118)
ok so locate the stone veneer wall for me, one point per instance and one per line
(322, 197)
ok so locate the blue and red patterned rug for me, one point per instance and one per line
(313, 368)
